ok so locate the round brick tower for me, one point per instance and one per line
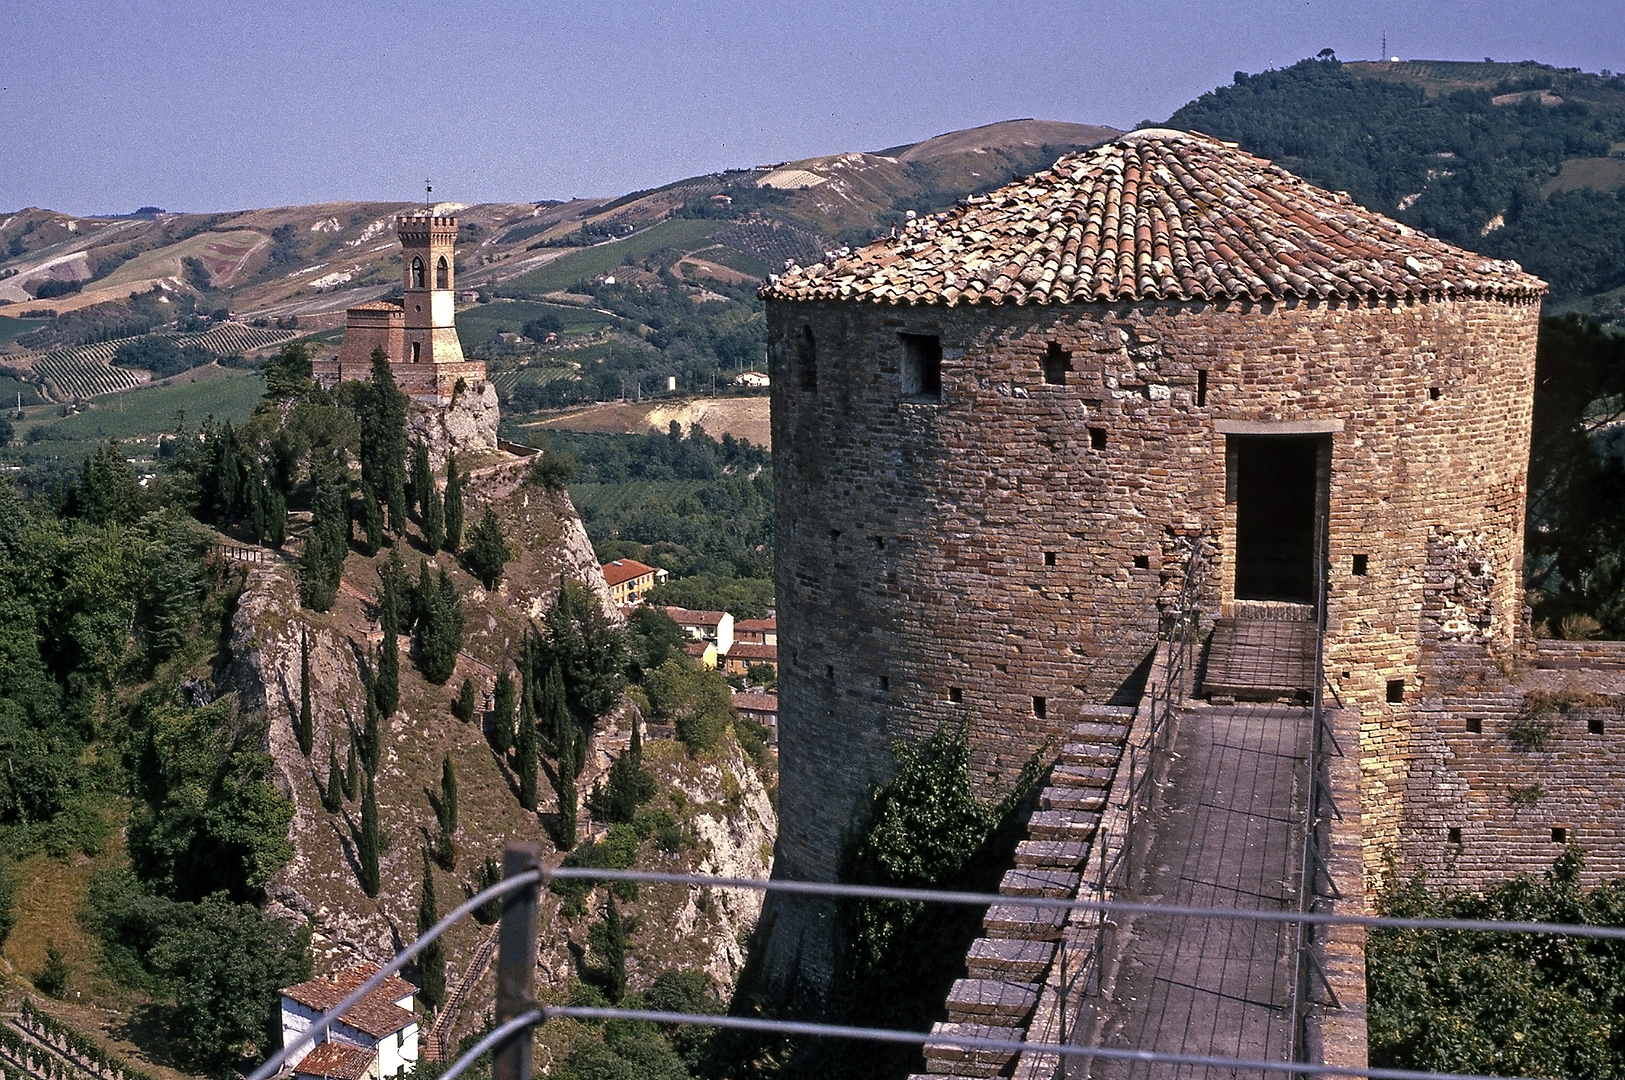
(998, 433)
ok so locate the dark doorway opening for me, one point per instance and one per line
(1277, 488)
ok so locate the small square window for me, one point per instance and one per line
(1475, 726)
(1560, 834)
(1142, 562)
(1454, 835)
(922, 366)
(1434, 393)
(1040, 707)
(1057, 362)
(1201, 387)
(829, 672)
(1097, 438)
(1594, 725)
(1362, 563)
(880, 543)
(1396, 691)
(955, 695)
(834, 535)
(885, 683)
(1049, 558)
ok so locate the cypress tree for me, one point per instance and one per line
(387, 679)
(487, 549)
(454, 505)
(372, 520)
(434, 520)
(440, 629)
(352, 773)
(367, 844)
(527, 754)
(465, 706)
(422, 480)
(307, 731)
(613, 955)
(569, 742)
(432, 960)
(333, 794)
(383, 440)
(565, 789)
(502, 714)
(370, 738)
(448, 795)
(321, 565)
(276, 517)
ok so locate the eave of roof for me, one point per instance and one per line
(1155, 215)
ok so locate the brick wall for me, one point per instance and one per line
(958, 560)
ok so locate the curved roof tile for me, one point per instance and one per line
(1157, 215)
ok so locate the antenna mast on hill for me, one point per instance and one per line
(1384, 55)
(428, 189)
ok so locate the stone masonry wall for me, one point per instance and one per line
(962, 559)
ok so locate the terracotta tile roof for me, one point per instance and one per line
(623, 570)
(336, 1060)
(754, 702)
(1155, 215)
(697, 649)
(686, 617)
(756, 624)
(376, 1014)
(747, 651)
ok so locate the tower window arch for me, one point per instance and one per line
(442, 274)
(417, 351)
(417, 272)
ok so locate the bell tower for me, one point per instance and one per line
(429, 267)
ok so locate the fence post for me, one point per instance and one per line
(516, 962)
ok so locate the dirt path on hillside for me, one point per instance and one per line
(742, 417)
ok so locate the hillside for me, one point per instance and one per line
(1520, 161)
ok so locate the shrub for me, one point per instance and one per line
(487, 549)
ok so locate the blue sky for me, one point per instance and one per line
(205, 105)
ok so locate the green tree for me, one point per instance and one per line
(52, 979)
(440, 630)
(321, 565)
(352, 772)
(307, 731)
(487, 549)
(422, 480)
(608, 940)
(652, 638)
(629, 783)
(368, 842)
(432, 960)
(333, 793)
(448, 795)
(697, 702)
(590, 651)
(465, 706)
(564, 829)
(387, 679)
(502, 709)
(371, 740)
(208, 817)
(288, 374)
(526, 753)
(454, 505)
(219, 964)
(382, 412)
(372, 520)
(434, 520)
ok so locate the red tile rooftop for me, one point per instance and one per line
(337, 1061)
(623, 570)
(685, 617)
(1156, 215)
(376, 1014)
(755, 702)
(748, 651)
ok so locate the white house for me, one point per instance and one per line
(717, 627)
(381, 1026)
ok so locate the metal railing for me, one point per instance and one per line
(517, 1011)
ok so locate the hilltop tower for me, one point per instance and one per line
(455, 408)
(999, 433)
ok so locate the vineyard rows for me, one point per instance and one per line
(83, 371)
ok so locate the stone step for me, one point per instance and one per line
(1051, 883)
(1052, 854)
(1076, 826)
(1093, 754)
(1122, 714)
(1097, 729)
(1069, 775)
(1009, 958)
(1072, 799)
(981, 1001)
(944, 1059)
(1027, 922)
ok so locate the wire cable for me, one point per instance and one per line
(492, 1038)
(1037, 904)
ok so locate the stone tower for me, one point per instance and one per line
(454, 407)
(998, 434)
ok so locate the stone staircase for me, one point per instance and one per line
(1006, 966)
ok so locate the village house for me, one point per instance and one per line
(742, 657)
(757, 631)
(704, 652)
(717, 627)
(629, 580)
(761, 706)
(375, 1038)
